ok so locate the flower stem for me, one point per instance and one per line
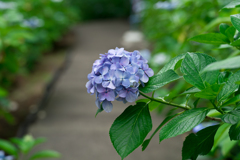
(176, 105)
(164, 102)
(218, 109)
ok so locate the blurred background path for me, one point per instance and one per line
(70, 126)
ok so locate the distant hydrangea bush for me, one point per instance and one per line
(3, 157)
(117, 75)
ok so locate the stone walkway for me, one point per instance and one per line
(70, 126)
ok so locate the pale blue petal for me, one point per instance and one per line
(111, 51)
(131, 97)
(100, 88)
(107, 106)
(92, 90)
(145, 66)
(140, 73)
(102, 96)
(126, 83)
(110, 96)
(118, 82)
(97, 102)
(104, 70)
(98, 79)
(124, 61)
(149, 72)
(120, 51)
(105, 84)
(113, 67)
(111, 85)
(122, 93)
(106, 77)
(119, 74)
(144, 78)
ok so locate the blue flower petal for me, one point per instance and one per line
(107, 106)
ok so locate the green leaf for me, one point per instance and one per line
(232, 117)
(8, 147)
(234, 131)
(190, 91)
(45, 154)
(223, 77)
(192, 64)
(39, 141)
(167, 119)
(183, 123)
(210, 38)
(235, 19)
(232, 100)
(222, 133)
(153, 104)
(232, 4)
(230, 63)
(223, 27)
(159, 80)
(199, 143)
(236, 43)
(230, 32)
(130, 129)
(210, 92)
(172, 64)
(229, 87)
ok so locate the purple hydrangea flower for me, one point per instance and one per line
(117, 75)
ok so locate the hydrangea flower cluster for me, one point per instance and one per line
(117, 75)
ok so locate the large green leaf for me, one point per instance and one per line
(130, 129)
(199, 144)
(183, 123)
(230, 63)
(171, 65)
(209, 92)
(234, 131)
(229, 87)
(236, 43)
(167, 119)
(8, 147)
(210, 38)
(192, 64)
(159, 80)
(222, 133)
(232, 117)
(232, 4)
(235, 19)
(45, 154)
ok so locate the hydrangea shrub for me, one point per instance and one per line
(211, 107)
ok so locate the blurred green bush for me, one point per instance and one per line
(169, 24)
(28, 28)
